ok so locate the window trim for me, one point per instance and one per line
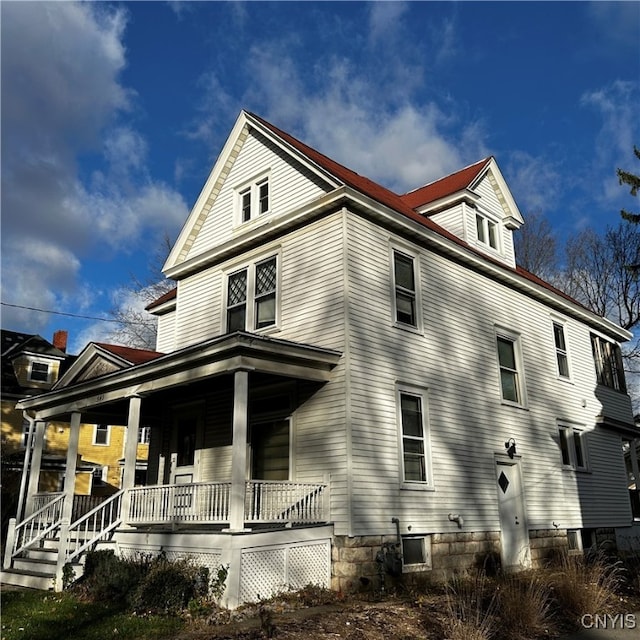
(558, 351)
(417, 297)
(521, 389)
(421, 393)
(608, 364)
(251, 302)
(487, 222)
(252, 188)
(426, 554)
(95, 435)
(572, 432)
(40, 361)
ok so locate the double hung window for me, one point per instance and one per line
(572, 447)
(101, 434)
(405, 289)
(39, 372)
(414, 438)
(487, 231)
(252, 296)
(254, 200)
(562, 357)
(510, 378)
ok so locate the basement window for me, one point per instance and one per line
(416, 553)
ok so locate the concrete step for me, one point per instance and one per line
(27, 579)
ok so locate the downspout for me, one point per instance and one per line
(26, 465)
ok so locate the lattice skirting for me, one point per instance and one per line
(269, 570)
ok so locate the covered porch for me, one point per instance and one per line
(220, 418)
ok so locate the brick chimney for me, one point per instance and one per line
(60, 340)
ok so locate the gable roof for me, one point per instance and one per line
(407, 204)
(443, 187)
(99, 358)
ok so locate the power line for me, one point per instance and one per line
(70, 315)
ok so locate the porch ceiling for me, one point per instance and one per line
(218, 356)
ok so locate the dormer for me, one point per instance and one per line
(35, 362)
(476, 205)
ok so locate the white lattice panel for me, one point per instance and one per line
(309, 564)
(268, 571)
(263, 574)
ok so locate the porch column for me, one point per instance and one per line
(70, 469)
(33, 472)
(239, 455)
(633, 444)
(130, 453)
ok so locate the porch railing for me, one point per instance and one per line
(295, 502)
(42, 524)
(200, 503)
(210, 503)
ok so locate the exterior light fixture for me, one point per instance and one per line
(510, 446)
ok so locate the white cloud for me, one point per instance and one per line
(61, 98)
(361, 124)
(535, 181)
(617, 105)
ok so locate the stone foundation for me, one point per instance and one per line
(354, 566)
(547, 545)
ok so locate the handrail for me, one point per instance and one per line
(100, 520)
(45, 520)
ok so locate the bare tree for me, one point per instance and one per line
(535, 245)
(597, 275)
(137, 327)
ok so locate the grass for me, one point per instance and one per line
(41, 615)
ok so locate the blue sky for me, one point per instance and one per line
(113, 114)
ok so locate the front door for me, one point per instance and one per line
(183, 454)
(514, 534)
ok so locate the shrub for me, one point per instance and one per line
(169, 587)
(107, 577)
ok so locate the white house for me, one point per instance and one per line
(345, 367)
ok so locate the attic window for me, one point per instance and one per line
(487, 231)
(39, 372)
(253, 200)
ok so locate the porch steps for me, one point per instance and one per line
(29, 579)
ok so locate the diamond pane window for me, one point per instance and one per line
(237, 301)
(265, 296)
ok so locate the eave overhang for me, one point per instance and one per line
(218, 356)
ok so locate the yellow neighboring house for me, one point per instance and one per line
(30, 366)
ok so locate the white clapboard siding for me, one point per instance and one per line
(166, 332)
(452, 220)
(455, 361)
(290, 186)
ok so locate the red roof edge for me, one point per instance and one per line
(130, 354)
(445, 186)
(170, 295)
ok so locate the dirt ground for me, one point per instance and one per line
(355, 620)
